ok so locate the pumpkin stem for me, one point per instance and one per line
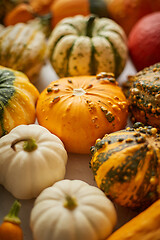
(78, 91)
(90, 25)
(30, 145)
(70, 202)
(12, 216)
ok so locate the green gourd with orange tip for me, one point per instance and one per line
(10, 229)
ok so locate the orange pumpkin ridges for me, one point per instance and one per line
(88, 106)
(10, 228)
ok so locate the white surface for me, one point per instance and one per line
(77, 166)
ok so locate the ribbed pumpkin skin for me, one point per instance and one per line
(22, 48)
(143, 92)
(86, 46)
(126, 165)
(80, 109)
(17, 100)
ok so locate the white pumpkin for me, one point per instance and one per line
(31, 159)
(72, 210)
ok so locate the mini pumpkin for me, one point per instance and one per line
(86, 46)
(126, 165)
(32, 159)
(72, 210)
(17, 100)
(80, 109)
(143, 93)
(23, 48)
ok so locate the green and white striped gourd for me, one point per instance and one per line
(23, 48)
(86, 46)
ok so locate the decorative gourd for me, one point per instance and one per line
(72, 209)
(144, 226)
(23, 48)
(17, 100)
(7, 6)
(143, 92)
(126, 166)
(69, 8)
(80, 109)
(59, 9)
(148, 53)
(31, 159)
(10, 229)
(86, 46)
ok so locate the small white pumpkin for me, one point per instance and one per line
(72, 210)
(31, 159)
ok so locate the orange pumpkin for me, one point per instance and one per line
(127, 12)
(81, 109)
(58, 8)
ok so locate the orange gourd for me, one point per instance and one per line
(21, 13)
(144, 226)
(70, 9)
(59, 9)
(127, 12)
(10, 229)
(81, 109)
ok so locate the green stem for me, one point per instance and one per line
(90, 25)
(70, 202)
(30, 145)
(12, 216)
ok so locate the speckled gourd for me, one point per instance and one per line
(80, 109)
(86, 46)
(23, 48)
(126, 165)
(143, 93)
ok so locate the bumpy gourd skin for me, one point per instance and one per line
(126, 166)
(143, 92)
(80, 109)
(17, 100)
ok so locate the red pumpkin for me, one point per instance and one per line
(144, 41)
